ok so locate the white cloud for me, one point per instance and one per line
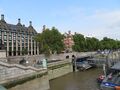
(98, 23)
(106, 23)
(110, 17)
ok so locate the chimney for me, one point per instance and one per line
(23, 25)
(19, 21)
(2, 17)
(75, 33)
(30, 22)
(44, 27)
(69, 32)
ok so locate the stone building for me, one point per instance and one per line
(68, 41)
(17, 39)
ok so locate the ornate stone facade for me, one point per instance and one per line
(18, 39)
(68, 41)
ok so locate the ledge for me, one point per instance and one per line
(23, 79)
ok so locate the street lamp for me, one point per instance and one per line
(107, 63)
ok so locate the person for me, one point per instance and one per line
(73, 62)
(100, 78)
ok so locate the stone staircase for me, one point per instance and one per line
(11, 72)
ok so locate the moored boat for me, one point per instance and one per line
(112, 80)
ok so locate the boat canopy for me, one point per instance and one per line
(116, 66)
(2, 88)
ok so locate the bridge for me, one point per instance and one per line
(97, 59)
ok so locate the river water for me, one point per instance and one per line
(81, 80)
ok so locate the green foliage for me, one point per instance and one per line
(108, 43)
(92, 44)
(50, 41)
(79, 42)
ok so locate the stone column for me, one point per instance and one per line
(28, 45)
(31, 46)
(24, 41)
(2, 37)
(20, 44)
(16, 44)
(37, 48)
(34, 47)
(7, 43)
(12, 44)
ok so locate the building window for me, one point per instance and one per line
(10, 34)
(10, 43)
(5, 43)
(10, 38)
(5, 33)
(14, 43)
(0, 33)
(22, 44)
(26, 44)
(14, 38)
(14, 34)
(5, 37)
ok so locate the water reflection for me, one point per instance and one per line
(77, 81)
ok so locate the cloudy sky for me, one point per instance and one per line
(97, 18)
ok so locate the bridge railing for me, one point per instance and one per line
(101, 61)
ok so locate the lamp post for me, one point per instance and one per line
(107, 63)
(104, 69)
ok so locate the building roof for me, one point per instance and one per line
(3, 25)
(31, 29)
(16, 28)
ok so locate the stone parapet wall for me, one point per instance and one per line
(58, 63)
(59, 70)
(2, 54)
(34, 58)
(12, 72)
(31, 59)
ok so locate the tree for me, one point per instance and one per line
(50, 41)
(92, 44)
(79, 41)
(57, 44)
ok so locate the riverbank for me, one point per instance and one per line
(56, 69)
